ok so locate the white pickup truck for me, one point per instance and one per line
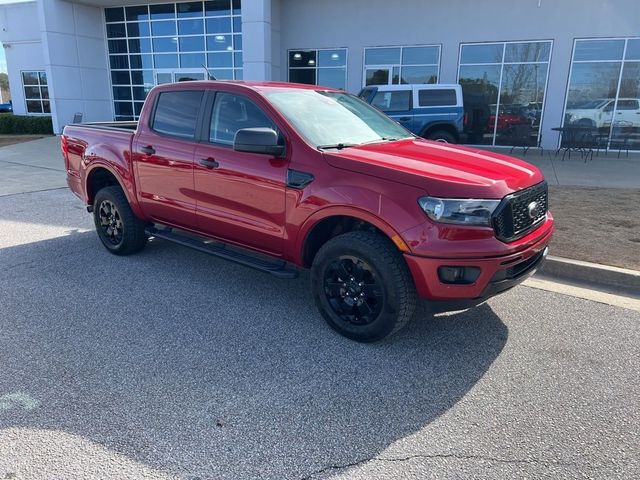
(600, 113)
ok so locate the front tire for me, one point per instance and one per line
(362, 286)
(121, 232)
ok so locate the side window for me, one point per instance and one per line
(437, 98)
(364, 94)
(609, 106)
(392, 100)
(176, 113)
(231, 113)
(627, 104)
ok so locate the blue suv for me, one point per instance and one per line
(433, 111)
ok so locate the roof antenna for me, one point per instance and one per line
(209, 75)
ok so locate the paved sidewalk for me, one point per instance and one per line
(31, 166)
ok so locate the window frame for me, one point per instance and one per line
(391, 66)
(316, 67)
(198, 126)
(502, 65)
(419, 90)
(209, 105)
(409, 91)
(233, 14)
(622, 62)
(39, 86)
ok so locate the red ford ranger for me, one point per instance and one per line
(277, 176)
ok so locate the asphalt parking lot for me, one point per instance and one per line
(173, 364)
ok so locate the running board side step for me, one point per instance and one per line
(277, 268)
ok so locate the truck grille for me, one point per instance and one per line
(513, 218)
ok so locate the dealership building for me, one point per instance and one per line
(544, 62)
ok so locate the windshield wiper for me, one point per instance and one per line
(336, 146)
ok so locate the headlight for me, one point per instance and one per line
(459, 211)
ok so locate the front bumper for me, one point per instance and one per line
(497, 274)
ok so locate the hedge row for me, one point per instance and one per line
(25, 124)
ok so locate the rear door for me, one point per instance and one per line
(164, 151)
(627, 113)
(396, 104)
(439, 105)
(240, 195)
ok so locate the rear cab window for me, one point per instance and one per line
(392, 100)
(176, 113)
(433, 97)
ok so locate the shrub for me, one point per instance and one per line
(25, 124)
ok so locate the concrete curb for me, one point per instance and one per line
(591, 274)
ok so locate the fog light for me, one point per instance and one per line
(458, 275)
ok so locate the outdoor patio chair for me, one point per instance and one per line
(519, 135)
(620, 139)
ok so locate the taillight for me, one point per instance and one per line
(64, 146)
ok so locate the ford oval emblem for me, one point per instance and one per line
(532, 210)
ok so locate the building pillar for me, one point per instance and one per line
(258, 35)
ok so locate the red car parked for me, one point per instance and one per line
(277, 176)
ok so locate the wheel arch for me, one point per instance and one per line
(330, 222)
(444, 126)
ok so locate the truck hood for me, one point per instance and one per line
(441, 169)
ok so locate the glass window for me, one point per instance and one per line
(382, 56)
(165, 45)
(190, 27)
(395, 65)
(114, 14)
(303, 75)
(117, 46)
(220, 60)
(120, 78)
(397, 100)
(483, 53)
(34, 106)
(604, 90)
(115, 30)
(165, 61)
(189, 9)
(192, 60)
(30, 78)
(437, 97)
(319, 67)
(332, 58)
(332, 77)
(420, 55)
(422, 74)
(140, 93)
(176, 113)
(140, 45)
(233, 112)
(186, 34)
(138, 29)
(503, 100)
(137, 13)
(123, 108)
(162, 11)
(121, 93)
(219, 42)
(217, 8)
(191, 44)
(598, 50)
(163, 28)
(527, 52)
(218, 25)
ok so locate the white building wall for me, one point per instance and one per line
(356, 24)
(22, 47)
(75, 58)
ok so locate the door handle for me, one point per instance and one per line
(210, 163)
(405, 119)
(148, 150)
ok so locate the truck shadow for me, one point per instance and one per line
(207, 369)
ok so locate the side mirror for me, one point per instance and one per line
(258, 140)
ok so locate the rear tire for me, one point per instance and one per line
(121, 232)
(362, 286)
(441, 136)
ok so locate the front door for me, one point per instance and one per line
(240, 196)
(164, 152)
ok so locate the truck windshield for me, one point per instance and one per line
(334, 119)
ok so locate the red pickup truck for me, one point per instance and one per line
(279, 176)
